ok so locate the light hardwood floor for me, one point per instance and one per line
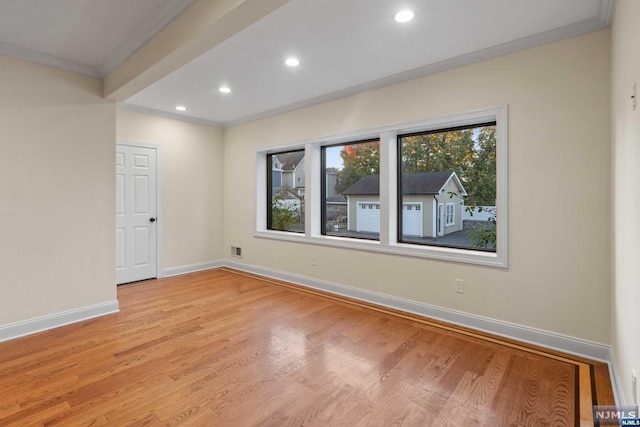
(224, 348)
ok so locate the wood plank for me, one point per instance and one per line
(227, 348)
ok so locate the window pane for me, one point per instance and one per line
(285, 191)
(451, 175)
(351, 190)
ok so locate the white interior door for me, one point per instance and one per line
(136, 236)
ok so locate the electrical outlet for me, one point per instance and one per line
(634, 387)
(236, 251)
(314, 260)
(459, 286)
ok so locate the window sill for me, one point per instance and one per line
(489, 259)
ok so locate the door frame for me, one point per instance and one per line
(159, 213)
(440, 225)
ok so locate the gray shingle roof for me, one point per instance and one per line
(290, 161)
(412, 183)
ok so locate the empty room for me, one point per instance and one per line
(319, 212)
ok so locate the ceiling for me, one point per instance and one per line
(91, 37)
(344, 46)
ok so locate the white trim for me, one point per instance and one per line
(48, 60)
(499, 258)
(44, 323)
(441, 215)
(605, 13)
(538, 39)
(159, 200)
(434, 221)
(566, 344)
(192, 268)
(164, 14)
(446, 214)
(388, 184)
(616, 383)
(458, 183)
(167, 115)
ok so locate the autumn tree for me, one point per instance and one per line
(469, 152)
(358, 160)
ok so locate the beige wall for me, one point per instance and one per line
(193, 165)
(57, 189)
(626, 193)
(559, 159)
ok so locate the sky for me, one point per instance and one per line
(333, 157)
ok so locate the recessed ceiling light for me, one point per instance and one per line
(404, 16)
(181, 108)
(292, 62)
(224, 89)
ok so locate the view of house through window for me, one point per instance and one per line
(445, 190)
(285, 191)
(447, 187)
(351, 190)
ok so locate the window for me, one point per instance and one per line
(285, 205)
(454, 167)
(450, 216)
(351, 190)
(433, 189)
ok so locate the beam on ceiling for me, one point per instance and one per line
(201, 27)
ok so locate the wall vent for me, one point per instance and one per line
(236, 251)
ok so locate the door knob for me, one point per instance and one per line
(152, 220)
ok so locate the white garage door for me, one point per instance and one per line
(368, 217)
(412, 219)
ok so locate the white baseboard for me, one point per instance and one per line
(616, 383)
(551, 340)
(554, 341)
(40, 324)
(192, 268)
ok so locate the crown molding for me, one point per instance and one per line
(164, 14)
(605, 13)
(538, 39)
(49, 60)
(165, 114)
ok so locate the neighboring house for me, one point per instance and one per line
(433, 203)
(288, 170)
(332, 175)
(336, 207)
(336, 204)
(287, 197)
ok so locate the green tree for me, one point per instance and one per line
(470, 153)
(484, 236)
(439, 151)
(480, 178)
(284, 215)
(358, 160)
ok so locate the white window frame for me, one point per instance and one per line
(448, 223)
(388, 242)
